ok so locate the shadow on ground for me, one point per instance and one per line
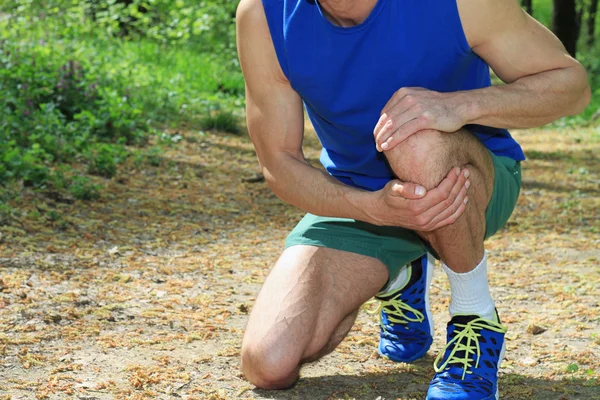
(413, 386)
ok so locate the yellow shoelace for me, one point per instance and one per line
(467, 341)
(396, 311)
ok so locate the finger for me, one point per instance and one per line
(377, 146)
(406, 190)
(452, 219)
(456, 192)
(402, 133)
(444, 213)
(385, 130)
(396, 117)
(395, 99)
(438, 196)
(455, 180)
(400, 112)
(382, 120)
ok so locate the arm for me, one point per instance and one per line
(276, 125)
(544, 83)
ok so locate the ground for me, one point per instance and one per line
(144, 294)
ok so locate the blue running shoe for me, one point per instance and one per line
(405, 315)
(468, 367)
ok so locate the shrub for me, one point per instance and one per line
(153, 157)
(221, 121)
(6, 214)
(81, 79)
(57, 108)
(83, 188)
(209, 22)
(103, 159)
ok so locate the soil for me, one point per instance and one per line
(144, 293)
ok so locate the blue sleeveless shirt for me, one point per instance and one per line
(345, 76)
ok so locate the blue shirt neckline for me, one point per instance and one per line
(351, 29)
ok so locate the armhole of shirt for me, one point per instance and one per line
(274, 11)
(457, 27)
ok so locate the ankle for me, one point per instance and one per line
(470, 291)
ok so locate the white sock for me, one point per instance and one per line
(471, 292)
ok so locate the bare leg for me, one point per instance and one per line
(425, 158)
(306, 307)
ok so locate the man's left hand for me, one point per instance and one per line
(411, 110)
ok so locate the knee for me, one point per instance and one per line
(267, 368)
(424, 158)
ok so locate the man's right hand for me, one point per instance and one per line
(410, 206)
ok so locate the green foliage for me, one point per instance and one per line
(82, 79)
(572, 368)
(542, 11)
(221, 121)
(103, 159)
(83, 188)
(6, 214)
(209, 24)
(47, 93)
(56, 108)
(153, 157)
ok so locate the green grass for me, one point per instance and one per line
(222, 121)
(542, 11)
(177, 84)
(76, 95)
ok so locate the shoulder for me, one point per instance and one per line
(255, 45)
(250, 12)
(251, 22)
(484, 19)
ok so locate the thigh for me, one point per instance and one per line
(393, 246)
(507, 185)
(307, 295)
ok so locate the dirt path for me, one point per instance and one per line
(144, 294)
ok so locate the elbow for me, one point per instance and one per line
(270, 179)
(583, 94)
(278, 170)
(276, 185)
(273, 171)
(584, 100)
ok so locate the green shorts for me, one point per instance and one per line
(395, 246)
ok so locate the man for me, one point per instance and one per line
(417, 159)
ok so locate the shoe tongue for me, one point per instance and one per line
(466, 318)
(462, 319)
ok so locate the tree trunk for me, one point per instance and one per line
(565, 24)
(528, 5)
(591, 22)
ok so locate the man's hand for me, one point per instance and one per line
(409, 206)
(414, 109)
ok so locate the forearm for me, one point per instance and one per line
(296, 182)
(528, 102)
